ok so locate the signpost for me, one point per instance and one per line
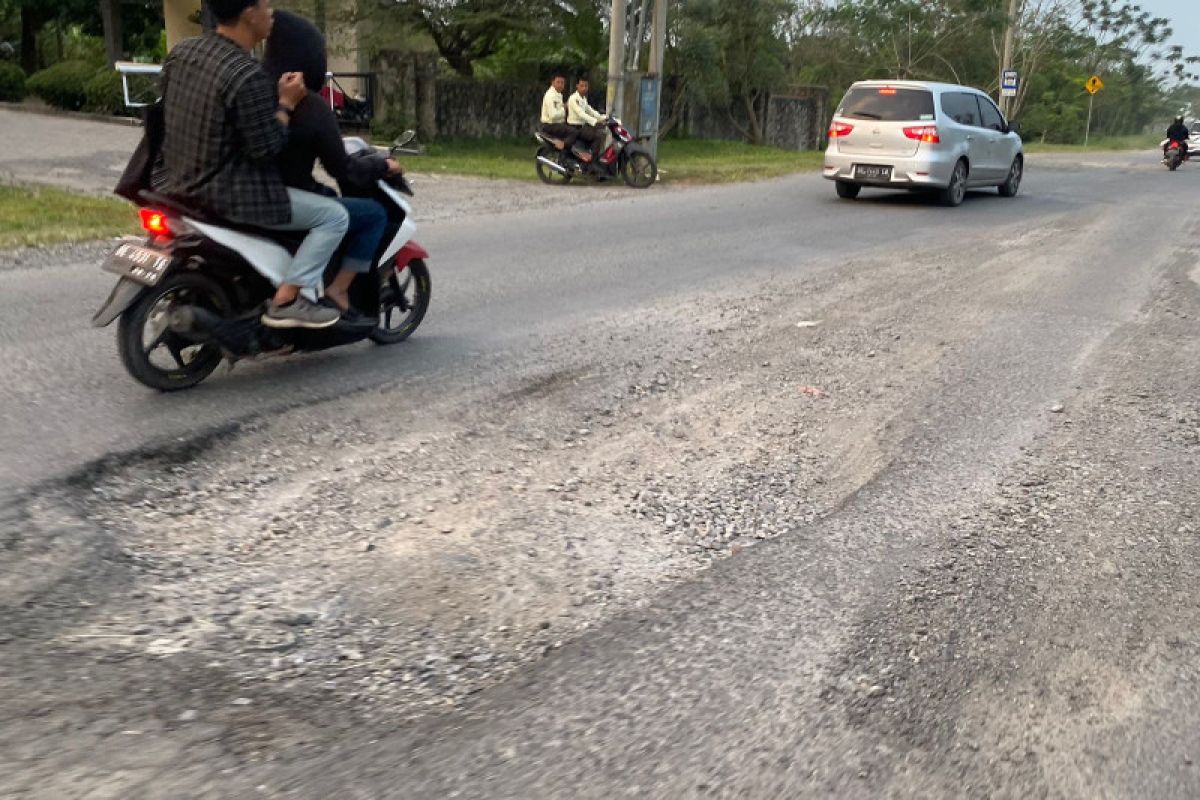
(1009, 83)
(1093, 85)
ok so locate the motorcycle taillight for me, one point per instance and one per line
(154, 222)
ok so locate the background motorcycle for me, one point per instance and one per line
(194, 291)
(1173, 153)
(558, 164)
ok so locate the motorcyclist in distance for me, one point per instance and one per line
(1178, 132)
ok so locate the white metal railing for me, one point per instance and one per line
(129, 69)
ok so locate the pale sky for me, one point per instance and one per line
(1184, 21)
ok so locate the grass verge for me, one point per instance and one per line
(683, 161)
(32, 216)
(1100, 143)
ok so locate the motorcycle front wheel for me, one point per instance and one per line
(639, 170)
(549, 174)
(403, 303)
(156, 356)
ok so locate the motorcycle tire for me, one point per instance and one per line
(548, 175)
(193, 362)
(409, 291)
(639, 170)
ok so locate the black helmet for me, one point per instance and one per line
(1179, 120)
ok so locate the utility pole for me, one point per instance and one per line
(615, 94)
(1006, 56)
(658, 51)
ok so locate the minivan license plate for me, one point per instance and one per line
(141, 264)
(872, 172)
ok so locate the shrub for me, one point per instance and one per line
(63, 84)
(104, 92)
(12, 83)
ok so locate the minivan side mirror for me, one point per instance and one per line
(1014, 127)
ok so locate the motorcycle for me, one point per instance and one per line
(1174, 155)
(623, 156)
(193, 292)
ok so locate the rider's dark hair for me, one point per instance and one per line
(227, 11)
(582, 79)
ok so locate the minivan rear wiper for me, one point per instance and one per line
(864, 115)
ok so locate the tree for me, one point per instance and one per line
(729, 53)
(468, 31)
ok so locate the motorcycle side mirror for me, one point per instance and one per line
(404, 138)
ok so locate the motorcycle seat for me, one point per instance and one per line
(558, 144)
(289, 240)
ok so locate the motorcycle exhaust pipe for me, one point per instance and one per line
(554, 165)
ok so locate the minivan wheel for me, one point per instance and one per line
(846, 190)
(1012, 184)
(956, 191)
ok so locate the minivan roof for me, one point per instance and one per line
(930, 85)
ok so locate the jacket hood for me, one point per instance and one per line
(296, 45)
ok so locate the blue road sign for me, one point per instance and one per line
(1009, 81)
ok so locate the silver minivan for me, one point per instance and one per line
(916, 135)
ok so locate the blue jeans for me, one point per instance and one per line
(326, 222)
(367, 223)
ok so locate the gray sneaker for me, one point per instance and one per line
(300, 314)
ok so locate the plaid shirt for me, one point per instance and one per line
(222, 141)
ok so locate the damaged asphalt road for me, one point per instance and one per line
(772, 496)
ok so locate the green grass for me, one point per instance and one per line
(684, 161)
(34, 216)
(1099, 143)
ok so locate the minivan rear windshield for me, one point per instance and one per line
(887, 103)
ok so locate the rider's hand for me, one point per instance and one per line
(394, 168)
(292, 89)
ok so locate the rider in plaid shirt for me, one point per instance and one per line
(224, 130)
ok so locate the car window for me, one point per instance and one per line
(991, 115)
(962, 108)
(887, 104)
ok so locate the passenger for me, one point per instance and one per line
(554, 113)
(296, 45)
(224, 130)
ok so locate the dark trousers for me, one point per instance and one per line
(561, 130)
(590, 135)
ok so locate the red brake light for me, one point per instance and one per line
(925, 133)
(154, 222)
(887, 90)
(838, 129)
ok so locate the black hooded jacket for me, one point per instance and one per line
(1178, 132)
(296, 45)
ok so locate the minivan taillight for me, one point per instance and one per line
(839, 129)
(925, 133)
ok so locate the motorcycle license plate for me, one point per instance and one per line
(142, 264)
(872, 172)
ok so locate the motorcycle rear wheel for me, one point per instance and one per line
(548, 175)
(143, 334)
(404, 303)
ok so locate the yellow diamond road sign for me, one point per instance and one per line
(1094, 84)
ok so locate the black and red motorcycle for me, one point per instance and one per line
(1175, 153)
(622, 156)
